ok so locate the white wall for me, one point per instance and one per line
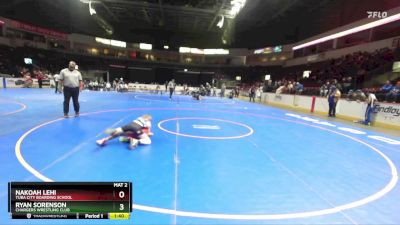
(386, 113)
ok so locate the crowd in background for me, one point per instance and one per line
(357, 64)
(347, 73)
(389, 92)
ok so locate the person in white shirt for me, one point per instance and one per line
(371, 101)
(108, 86)
(280, 90)
(71, 80)
(171, 86)
(258, 93)
(56, 78)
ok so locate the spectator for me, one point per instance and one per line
(387, 87)
(56, 79)
(323, 91)
(259, 92)
(158, 91)
(252, 94)
(40, 77)
(281, 90)
(370, 108)
(357, 95)
(236, 89)
(346, 83)
(336, 85)
(289, 87)
(350, 81)
(120, 85)
(394, 93)
(223, 88)
(108, 86)
(208, 89)
(28, 82)
(268, 87)
(214, 91)
(231, 94)
(333, 98)
(114, 85)
(299, 88)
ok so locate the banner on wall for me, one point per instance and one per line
(19, 83)
(45, 83)
(39, 30)
(384, 112)
(14, 82)
(388, 112)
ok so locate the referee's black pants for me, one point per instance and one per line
(68, 93)
(171, 91)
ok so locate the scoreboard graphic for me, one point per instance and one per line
(70, 200)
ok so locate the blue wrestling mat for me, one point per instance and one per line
(214, 161)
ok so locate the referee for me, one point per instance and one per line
(71, 79)
(171, 86)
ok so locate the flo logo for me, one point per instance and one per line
(392, 110)
(377, 14)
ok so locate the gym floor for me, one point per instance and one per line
(214, 161)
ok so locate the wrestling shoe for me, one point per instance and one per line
(133, 143)
(101, 142)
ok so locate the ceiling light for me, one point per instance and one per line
(145, 46)
(92, 11)
(220, 24)
(350, 31)
(184, 49)
(237, 5)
